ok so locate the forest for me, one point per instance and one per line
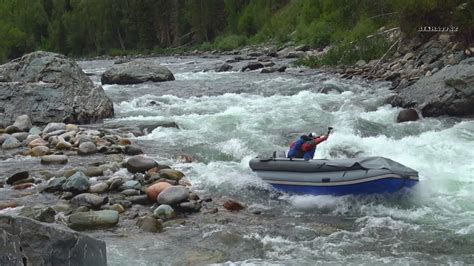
(119, 27)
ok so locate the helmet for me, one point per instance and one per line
(313, 135)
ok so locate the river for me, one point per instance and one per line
(227, 118)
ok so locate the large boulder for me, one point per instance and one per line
(28, 242)
(49, 87)
(137, 71)
(449, 91)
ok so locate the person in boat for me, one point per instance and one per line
(305, 146)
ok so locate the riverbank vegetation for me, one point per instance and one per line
(120, 27)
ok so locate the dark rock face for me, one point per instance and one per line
(407, 115)
(449, 91)
(252, 66)
(223, 68)
(28, 242)
(137, 71)
(49, 87)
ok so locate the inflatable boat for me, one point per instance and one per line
(334, 177)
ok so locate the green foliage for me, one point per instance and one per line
(226, 43)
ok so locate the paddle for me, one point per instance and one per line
(329, 130)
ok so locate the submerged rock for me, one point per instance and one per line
(407, 115)
(137, 71)
(57, 90)
(54, 159)
(149, 224)
(233, 205)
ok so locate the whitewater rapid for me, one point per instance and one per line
(225, 119)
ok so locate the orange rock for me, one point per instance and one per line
(37, 142)
(233, 205)
(154, 190)
(23, 186)
(124, 142)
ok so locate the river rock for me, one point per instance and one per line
(89, 200)
(17, 177)
(173, 195)
(137, 71)
(450, 91)
(3, 137)
(252, 66)
(37, 142)
(130, 192)
(57, 90)
(39, 151)
(132, 150)
(35, 131)
(164, 212)
(53, 126)
(138, 199)
(23, 123)
(20, 136)
(233, 205)
(140, 164)
(54, 159)
(87, 148)
(10, 142)
(77, 183)
(63, 145)
(12, 129)
(154, 190)
(93, 220)
(191, 206)
(39, 213)
(170, 174)
(99, 188)
(407, 115)
(55, 184)
(117, 207)
(131, 184)
(29, 242)
(223, 68)
(149, 224)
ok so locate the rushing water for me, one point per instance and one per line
(227, 118)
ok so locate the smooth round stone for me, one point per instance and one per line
(11, 143)
(154, 190)
(117, 207)
(89, 200)
(87, 148)
(29, 139)
(93, 220)
(71, 127)
(131, 184)
(140, 164)
(99, 188)
(191, 206)
(37, 142)
(55, 184)
(54, 127)
(130, 192)
(93, 171)
(35, 131)
(63, 145)
(164, 211)
(12, 129)
(39, 151)
(132, 150)
(407, 115)
(138, 199)
(170, 174)
(23, 122)
(17, 177)
(173, 195)
(3, 137)
(54, 159)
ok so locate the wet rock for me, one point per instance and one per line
(407, 115)
(117, 207)
(55, 184)
(53, 134)
(89, 200)
(10, 143)
(17, 177)
(447, 92)
(137, 71)
(77, 183)
(252, 66)
(331, 88)
(22, 186)
(268, 70)
(20, 136)
(170, 174)
(39, 213)
(93, 220)
(63, 145)
(93, 171)
(71, 127)
(99, 188)
(131, 184)
(139, 199)
(233, 205)
(192, 206)
(8, 204)
(37, 142)
(164, 212)
(154, 190)
(53, 126)
(39, 151)
(130, 192)
(140, 164)
(3, 138)
(12, 129)
(30, 242)
(115, 183)
(35, 131)
(54, 159)
(132, 150)
(149, 224)
(29, 139)
(65, 93)
(224, 67)
(173, 195)
(87, 148)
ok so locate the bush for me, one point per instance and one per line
(230, 42)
